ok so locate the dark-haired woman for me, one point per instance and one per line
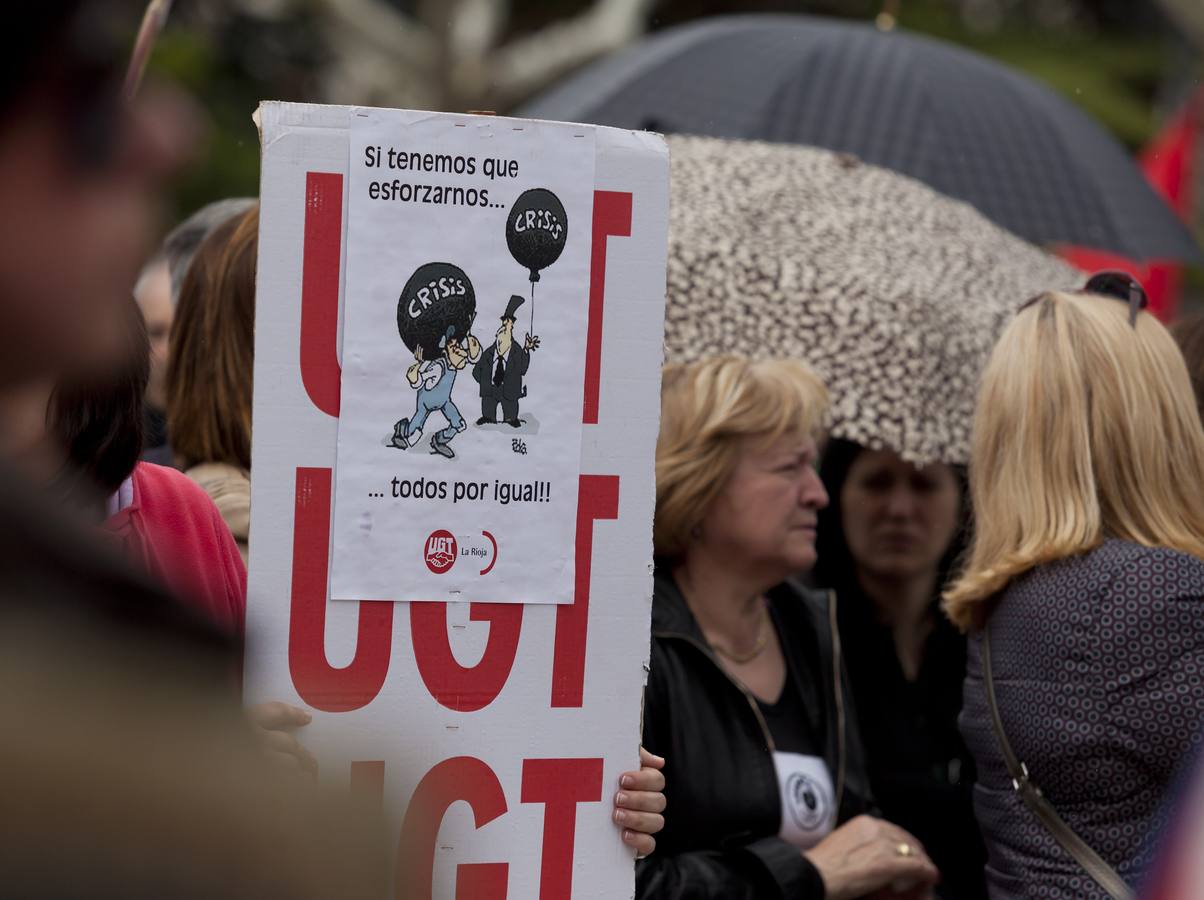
(886, 543)
(165, 523)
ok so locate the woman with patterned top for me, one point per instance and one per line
(1085, 581)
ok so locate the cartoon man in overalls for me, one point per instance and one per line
(434, 380)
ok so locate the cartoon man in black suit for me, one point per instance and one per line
(501, 368)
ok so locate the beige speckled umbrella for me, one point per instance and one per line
(893, 292)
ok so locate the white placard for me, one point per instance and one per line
(493, 735)
(464, 331)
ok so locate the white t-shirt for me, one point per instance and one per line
(808, 799)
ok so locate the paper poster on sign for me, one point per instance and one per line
(464, 333)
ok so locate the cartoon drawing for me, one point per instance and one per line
(501, 369)
(434, 316)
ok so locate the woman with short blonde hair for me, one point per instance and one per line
(746, 695)
(1086, 576)
(707, 411)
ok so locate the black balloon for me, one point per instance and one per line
(536, 229)
(437, 299)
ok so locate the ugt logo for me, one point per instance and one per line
(441, 551)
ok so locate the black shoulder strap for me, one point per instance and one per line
(1105, 876)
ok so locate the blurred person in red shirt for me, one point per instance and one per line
(163, 522)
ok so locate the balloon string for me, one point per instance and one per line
(532, 309)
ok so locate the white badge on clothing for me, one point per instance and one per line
(808, 804)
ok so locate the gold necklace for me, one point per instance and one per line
(762, 642)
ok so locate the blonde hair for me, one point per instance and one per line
(708, 409)
(1086, 428)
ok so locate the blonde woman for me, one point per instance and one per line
(746, 696)
(1085, 582)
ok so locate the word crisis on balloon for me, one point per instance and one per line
(437, 305)
(539, 218)
(435, 289)
(536, 230)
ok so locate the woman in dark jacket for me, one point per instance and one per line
(886, 543)
(766, 784)
(1086, 582)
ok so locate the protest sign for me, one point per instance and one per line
(493, 733)
(460, 424)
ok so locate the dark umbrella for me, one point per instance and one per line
(970, 128)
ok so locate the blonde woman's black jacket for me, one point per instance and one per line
(720, 838)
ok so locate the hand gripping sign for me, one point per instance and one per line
(492, 732)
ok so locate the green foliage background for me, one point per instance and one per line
(1118, 60)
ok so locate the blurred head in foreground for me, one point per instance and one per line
(97, 419)
(80, 173)
(125, 757)
(133, 776)
(1086, 428)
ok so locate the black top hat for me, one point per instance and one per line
(512, 307)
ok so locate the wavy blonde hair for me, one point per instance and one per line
(1086, 428)
(708, 410)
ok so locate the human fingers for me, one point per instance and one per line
(899, 890)
(909, 873)
(919, 892)
(641, 801)
(643, 844)
(275, 715)
(904, 843)
(642, 780)
(282, 742)
(645, 823)
(285, 761)
(899, 835)
(651, 760)
(290, 765)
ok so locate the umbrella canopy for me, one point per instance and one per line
(892, 292)
(970, 128)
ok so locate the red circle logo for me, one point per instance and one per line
(441, 551)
